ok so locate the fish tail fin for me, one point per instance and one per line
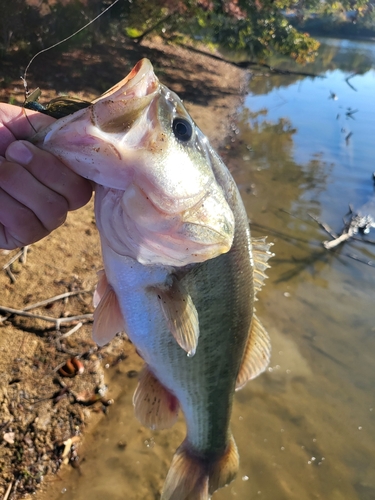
(192, 477)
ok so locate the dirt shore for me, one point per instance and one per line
(44, 415)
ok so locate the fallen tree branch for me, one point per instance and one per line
(249, 64)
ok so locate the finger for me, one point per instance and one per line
(47, 205)
(19, 123)
(18, 224)
(50, 171)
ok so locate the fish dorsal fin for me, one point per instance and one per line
(261, 254)
(154, 405)
(181, 315)
(108, 319)
(257, 354)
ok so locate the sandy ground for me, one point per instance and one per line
(44, 415)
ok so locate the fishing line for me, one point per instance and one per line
(24, 79)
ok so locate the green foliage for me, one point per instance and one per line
(19, 24)
(257, 28)
(259, 37)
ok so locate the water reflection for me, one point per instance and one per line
(314, 411)
(354, 58)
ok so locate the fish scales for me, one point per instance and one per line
(223, 293)
(180, 268)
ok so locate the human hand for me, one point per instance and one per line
(36, 188)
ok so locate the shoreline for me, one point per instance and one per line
(38, 415)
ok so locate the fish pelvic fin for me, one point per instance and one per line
(108, 319)
(257, 354)
(193, 477)
(154, 406)
(261, 255)
(181, 315)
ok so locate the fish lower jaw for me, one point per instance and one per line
(189, 256)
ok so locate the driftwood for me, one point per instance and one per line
(360, 222)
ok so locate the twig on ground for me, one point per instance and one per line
(7, 493)
(71, 331)
(10, 274)
(23, 257)
(13, 259)
(57, 321)
(55, 299)
(15, 488)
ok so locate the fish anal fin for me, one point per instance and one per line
(181, 315)
(261, 254)
(155, 406)
(108, 319)
(192, 477)
(257, 354)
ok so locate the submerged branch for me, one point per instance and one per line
(347, 81)
(323, 225)
(328, 245)
(369, 262)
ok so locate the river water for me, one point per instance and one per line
(306, 428)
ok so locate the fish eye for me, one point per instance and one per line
(182, 129)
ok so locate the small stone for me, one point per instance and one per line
(9, 437)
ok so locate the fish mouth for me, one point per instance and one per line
(116, 111)
(141, 81)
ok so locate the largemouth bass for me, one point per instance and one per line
(180, 268)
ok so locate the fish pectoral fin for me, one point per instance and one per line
(257, 354)
(155, 406)
(193, 478)
(101, 287)
(108, 319)
(181, 315)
